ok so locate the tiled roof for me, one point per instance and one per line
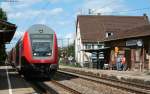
(7, 31)
(140, 31)
(93, 28)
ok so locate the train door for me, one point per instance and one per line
(19, 61)
(128, 58)
(17, 56)
(14, 57)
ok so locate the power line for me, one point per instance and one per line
(108, 4)
(44, 7)
(10, 1)
(139, 9)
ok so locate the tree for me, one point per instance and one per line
(71, 50)
(3, 16)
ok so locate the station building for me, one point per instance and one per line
(7, 31)
(127, 36)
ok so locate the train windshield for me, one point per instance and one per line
(42, 46)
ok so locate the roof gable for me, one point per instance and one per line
(94, 27)
(140, 31)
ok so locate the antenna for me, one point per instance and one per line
(93, 11)
(80, 11)
(90, 11)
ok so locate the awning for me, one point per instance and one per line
(6, 35)
(7, 31)
(95, 50)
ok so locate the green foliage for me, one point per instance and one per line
(66, 52)
(2, 53)
(3, 16)
(71, 65)
(71, 50)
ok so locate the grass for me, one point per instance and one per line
(70, 65)
(147, 72)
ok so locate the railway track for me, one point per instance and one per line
(44, 88)
(72, 91)
(128, 86)
(40, 88)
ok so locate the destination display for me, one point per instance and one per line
(138, 42)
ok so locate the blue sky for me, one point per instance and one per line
(60, 15)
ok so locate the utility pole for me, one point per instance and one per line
(62, 43)
(68, 42)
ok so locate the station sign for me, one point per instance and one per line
(137, 42)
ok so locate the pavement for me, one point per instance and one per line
(12, 83)
(132, 76)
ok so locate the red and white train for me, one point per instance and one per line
(36, 50)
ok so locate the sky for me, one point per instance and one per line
(61, 15)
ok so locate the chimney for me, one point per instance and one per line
(146, 18)
(90, 11)
(98, 13)
(144, 14)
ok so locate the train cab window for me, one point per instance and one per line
(42, 47)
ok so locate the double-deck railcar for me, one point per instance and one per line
(36, 51)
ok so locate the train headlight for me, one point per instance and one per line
(34, 54)
(49, 54)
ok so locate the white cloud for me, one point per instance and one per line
(20, 4)
(53, 1)
(18, 35)
(58, 1)
(43, 21)
(29, 1)
(64, 23)
(34, 13)
(66, 39)
(25, 14)
(6, 6)
(104, 6)
(70, 36)
(56, 11)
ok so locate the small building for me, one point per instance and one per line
(100, 31)
(134, 45)
(7, 31)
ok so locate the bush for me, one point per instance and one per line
(71, 65)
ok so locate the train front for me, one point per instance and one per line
(40, 49)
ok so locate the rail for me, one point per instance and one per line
(132, 87)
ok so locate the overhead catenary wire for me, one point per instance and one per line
(106, 5)
(43, 8)
(133, 10)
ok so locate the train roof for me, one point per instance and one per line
(40, 28)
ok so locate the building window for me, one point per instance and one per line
(79, 48)
(108, 34)
(100, 46)
(92, 46)
(88, 46)
(137, 55)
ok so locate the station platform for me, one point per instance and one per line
(12, 83)
(131, 76)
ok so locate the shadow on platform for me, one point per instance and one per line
(16, 80)
(60, 76)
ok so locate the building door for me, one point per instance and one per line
(128, 58)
